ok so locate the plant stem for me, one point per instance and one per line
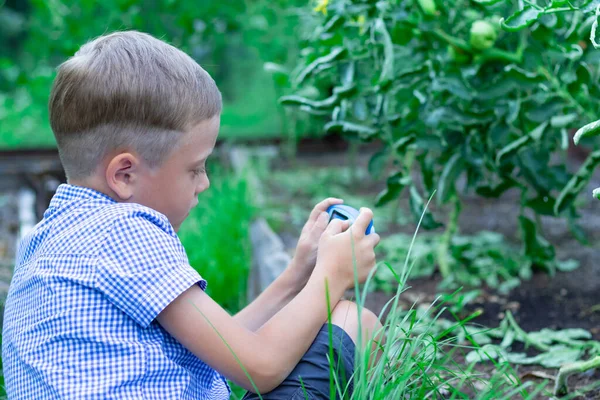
(446, 240)
(560, 387)
(562, 92)
(486, 55)
(290, 145)
(526, 338)
(353, 158)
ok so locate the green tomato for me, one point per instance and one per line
(428, 7)
(483, 35)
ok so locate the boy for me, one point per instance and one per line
(103, 303)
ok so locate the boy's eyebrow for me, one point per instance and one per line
(202, 159)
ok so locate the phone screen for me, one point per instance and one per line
(337, 215)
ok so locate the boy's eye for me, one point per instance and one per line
(199, 171)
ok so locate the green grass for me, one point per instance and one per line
(417, 362)
(217, 239)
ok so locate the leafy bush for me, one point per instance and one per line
(473, 260)
(216, 239)
(36, 36)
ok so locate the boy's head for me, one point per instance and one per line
(130, 113)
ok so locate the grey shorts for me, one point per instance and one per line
(313, 370)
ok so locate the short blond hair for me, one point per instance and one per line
(127, 91)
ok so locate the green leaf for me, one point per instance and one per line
(556, 357)
(543, 205)
(548, 20)
(295, 100)
(579, 234)
(427, 170)
(591, 129)
(535, 246)
(521, 19)
(334, 22)
(336, 53)
(567, 266)
(577, 183)
(512, 78)
(545, 110)
(573, 52)
(512, 148)
(429, 142)
(345, 91)
(452, 169)
(514, 107)
(279, 72)
(388, 50)
(417, 208)
(488, 352)
(411, 72)
(564, 139)
(359, 109)
(453, 115)
(395, 184)
(347, 71)
(591, 6)
(363, 131)
(453, 85)
(401, 144)
(495, 191)
(563, 121)
(314, 111)
(593, 30)
(508, 339)
(537, 133)
(562, 335)
(378, 162)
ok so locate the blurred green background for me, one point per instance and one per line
(232, 40)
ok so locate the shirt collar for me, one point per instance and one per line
(68, 193)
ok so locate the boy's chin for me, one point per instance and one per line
(176, 227)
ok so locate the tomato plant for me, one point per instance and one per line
(530, 14)
(471, 101)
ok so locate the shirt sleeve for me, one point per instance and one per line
(142, 267)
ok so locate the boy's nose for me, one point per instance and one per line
(204, 185)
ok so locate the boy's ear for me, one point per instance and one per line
(121, 174)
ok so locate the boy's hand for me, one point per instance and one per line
(306, 250)
(346, 254)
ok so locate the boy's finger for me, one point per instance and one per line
(323, 206)
(375, 238)
(336, 226)
(321, 223)
(363, 220)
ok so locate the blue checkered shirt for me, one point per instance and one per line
(79, 320)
